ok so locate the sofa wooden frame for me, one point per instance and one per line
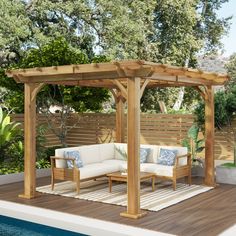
(180, 171)
(74, 173)
(67, 173)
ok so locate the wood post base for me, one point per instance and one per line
(26, 196)
(133, 216)
(210, 184)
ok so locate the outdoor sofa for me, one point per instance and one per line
(93, 161)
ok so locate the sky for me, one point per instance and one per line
(229, 41)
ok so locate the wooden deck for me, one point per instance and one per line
(207, 214)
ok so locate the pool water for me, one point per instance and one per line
(14, 227)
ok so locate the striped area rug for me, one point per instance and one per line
(97, 191)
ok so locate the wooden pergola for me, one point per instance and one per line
(127, 81)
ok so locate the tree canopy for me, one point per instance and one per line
(57, 52)
(170, 31)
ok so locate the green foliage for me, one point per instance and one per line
(225, 107)
(124, 28)
(14, 30)
(43, 163)
(193, 143)
(174, 23)
(171, 31)
(182, 30)
(225, 110)
(10, 137)
(10, 168)
(57, 52)
(231, 70)
(229, 165)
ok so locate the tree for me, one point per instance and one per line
(124, 28)
(57, 52)
(14, 30)
(167, 31)
(183, 29)
(67, 98)
(231, 70)
(225, 111)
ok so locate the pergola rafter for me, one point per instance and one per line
(127, 80)
(89, 74)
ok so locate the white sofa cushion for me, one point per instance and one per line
(107, 151)
(122, 147)
(120, 164)
(60, 152)
(152, 155)
(90, 154)
(96, 169)
(157, 169)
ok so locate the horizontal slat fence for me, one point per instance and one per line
(159, 129)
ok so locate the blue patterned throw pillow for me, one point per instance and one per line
(167, 157)
(143, 154)
(76, 155)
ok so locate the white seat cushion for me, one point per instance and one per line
(96, 169)
(120, 164)
(157, 169)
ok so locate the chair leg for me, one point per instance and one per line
(189, 180)
(77, 179)
(174, 184)
(78, 185)
(52, 181)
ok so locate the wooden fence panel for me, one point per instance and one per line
(159, 129)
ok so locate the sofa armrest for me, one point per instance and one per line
(188, 156)
(54, 158)
(69, 158)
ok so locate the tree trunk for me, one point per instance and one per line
(179, 100)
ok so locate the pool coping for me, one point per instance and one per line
(79, 224)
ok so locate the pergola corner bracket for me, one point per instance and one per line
(144, 85)
(36, 90)
(121, 87)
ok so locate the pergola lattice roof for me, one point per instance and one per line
(127, 81)
(106, 75)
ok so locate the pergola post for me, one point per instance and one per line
(30, 140)
(133, 146)
(209, 137)
(120, 118)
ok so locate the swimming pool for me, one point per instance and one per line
(75, 224)
(14, 227)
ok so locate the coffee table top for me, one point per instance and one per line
(120, 175)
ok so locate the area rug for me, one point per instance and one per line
(98, 191)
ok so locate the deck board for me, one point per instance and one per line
(207, 214)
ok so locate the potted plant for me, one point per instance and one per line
(195, 145)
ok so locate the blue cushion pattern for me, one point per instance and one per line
(167, 157)
(76, 156)
(143, 154)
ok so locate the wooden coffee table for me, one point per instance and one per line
(118, 176)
